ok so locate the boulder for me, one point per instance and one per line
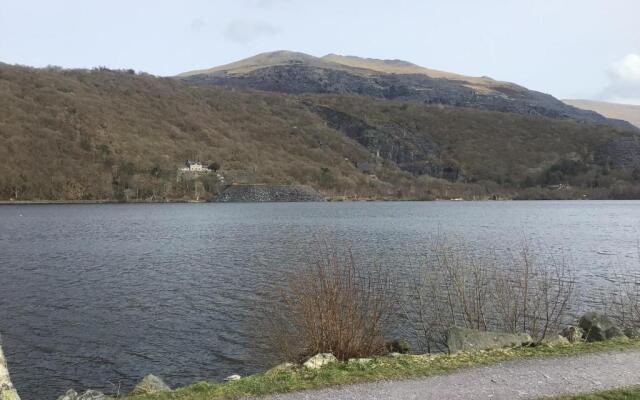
(573, 334)
(464, 339)
(555, 340)
(280, 368)
(7, 391)
(88, 395)
(320, 360)
(231, 378)
(398, 346)
(598, 327)
(632, 332)
(150, 384)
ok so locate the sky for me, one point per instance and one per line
(569, 48)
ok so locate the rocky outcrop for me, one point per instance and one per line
(268, 193)
(320, 360)
(412, 150)
(463, 339)
(150, 384)
(621, 153)
(598, 327)
(7, 391)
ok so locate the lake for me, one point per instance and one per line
(97, 296)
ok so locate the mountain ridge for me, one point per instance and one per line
(298, 73)
(117, 135)
(626, 112)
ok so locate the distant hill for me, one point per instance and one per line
(117, 135)
(297, 73)
(625, 112)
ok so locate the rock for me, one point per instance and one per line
(632, 332)
(7, 391)
(360, 361)
(398, 346)
(320, 360)
(573, 334)
(557, 340)
(88, 395)
(69, 395)
(150, 384)
(395, 355)
(231, 378)
(463, 339)
(598, 327)
(280, 368)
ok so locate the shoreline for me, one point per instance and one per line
(327, 200)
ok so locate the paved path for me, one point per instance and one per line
(523, 379)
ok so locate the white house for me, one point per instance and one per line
(193, 166)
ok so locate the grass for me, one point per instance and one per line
(381, 368)
(629, 393)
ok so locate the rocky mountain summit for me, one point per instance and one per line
(296, 73)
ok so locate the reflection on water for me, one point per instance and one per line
(99, 295)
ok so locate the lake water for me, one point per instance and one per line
(97, 296)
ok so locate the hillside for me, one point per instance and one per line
(297, 73)
(625, 112)
(117, 135)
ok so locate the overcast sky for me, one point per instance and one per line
(569, 48)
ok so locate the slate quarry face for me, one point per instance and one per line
(300, 78)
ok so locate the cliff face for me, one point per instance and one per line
(267, 193)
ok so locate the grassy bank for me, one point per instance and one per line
(380, 368)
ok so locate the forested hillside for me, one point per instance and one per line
(118, 135)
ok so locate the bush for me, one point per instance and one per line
(455, 287)
(332, 305)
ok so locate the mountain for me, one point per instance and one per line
(626, 112)
(117, 135)
(297, 73)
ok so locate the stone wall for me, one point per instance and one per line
(267, 193)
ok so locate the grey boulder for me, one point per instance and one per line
(464, 339)
(598, 327)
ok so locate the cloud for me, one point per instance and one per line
(624, 86)
(628, 69)
(241, 31)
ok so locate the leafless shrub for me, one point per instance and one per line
(623, 301)
(456, 287)
(332, 305)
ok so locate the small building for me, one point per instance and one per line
(193, 166)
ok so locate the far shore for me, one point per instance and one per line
(328, 199)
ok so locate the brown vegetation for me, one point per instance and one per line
(118, 135)
(333, 305)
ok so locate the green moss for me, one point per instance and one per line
(401, 367)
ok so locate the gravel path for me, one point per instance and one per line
(523, 379)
